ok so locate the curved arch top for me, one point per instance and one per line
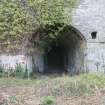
(78, 33)
(75, 30)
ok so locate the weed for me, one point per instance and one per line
(1, 71)
(19, 71)
(47, 100)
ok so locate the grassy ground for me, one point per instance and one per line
(84, 89)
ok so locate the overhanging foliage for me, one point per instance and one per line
(20, 16)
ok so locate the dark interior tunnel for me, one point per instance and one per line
(63, 55)
(56, 58)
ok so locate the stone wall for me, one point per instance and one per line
(89, 17)
(9, 62)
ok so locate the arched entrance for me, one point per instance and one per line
(66, 54)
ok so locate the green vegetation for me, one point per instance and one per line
(13, 22)
(47, 100)
(47, 89)
(18, 18)
(18, 72)
(53, 11)
(1, 71)
(61, 85)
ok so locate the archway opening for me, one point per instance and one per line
(65, 54)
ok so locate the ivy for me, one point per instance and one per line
(20, 16)
(52, 11)
(14, 21)
(52, 15)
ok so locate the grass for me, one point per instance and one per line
(81, 82)
(46, 87)
(47, 100)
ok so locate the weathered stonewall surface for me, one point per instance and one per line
(89, 17)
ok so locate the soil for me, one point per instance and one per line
(25, 96)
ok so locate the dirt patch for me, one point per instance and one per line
(24, 95)
(92, 100)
